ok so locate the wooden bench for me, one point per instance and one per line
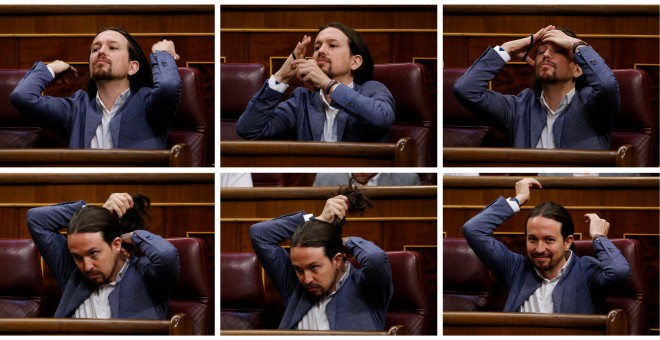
(394, 330)
(178, 156)
(625, 156)
(179, 324)
(494, 323)
(403, 153)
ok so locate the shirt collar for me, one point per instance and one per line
(119, 102)
(562, 104)
(120, 275)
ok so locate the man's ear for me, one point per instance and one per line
(356, 62)
(567, 242)
(577, 72)
(133, 67)
(116, 245)
(338, 260)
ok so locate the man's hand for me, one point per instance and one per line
(597, 225)
(309, 72)
(335, 207)
(119, 203)
(560, 39)
(61, 68)
(284, 74)
(523, 189)
(517, 48)
(167, 46)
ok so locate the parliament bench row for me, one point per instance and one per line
(469, 286)
(25, 293)
(188, 140)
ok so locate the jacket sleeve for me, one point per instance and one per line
(603, 101)
(373, 106)
(471, 90)
(266, 117)
(376, 274)
(162, 103)
(27, 98)
(44, 224)
(159, 264)
(613, 270)
(266, 238)
(478, 232)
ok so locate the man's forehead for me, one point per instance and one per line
(331, 33)
(303, 256)
(110, 36)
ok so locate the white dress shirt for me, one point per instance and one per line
(103, 137)
(317, 318)
(97, 305)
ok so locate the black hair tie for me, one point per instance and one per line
(531, 42)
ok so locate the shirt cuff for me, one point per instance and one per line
(279, 87)
(52, 73)
(502, 53)
(307, 217)
(513, 205)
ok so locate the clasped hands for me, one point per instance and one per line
(305, 70)
(517, 48)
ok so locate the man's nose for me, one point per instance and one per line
(308, 278)
(87, 265)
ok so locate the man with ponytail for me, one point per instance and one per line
(107, 265)
(320, 288)
(551, 278)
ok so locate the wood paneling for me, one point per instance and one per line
(401, 215)
(394, 33)
(180, 202)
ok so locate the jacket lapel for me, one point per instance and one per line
(316, 116)
(92, 121)
(538, 122)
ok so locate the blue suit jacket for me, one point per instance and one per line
(359, 304)
(586, 123)
(144, 291)
(580, 290)
(366, 114)
(141, 123)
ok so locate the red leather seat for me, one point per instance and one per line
(238, 84)
(241, 291)
(193, 294)
(637, 123)
(633, 298)
(466, 281)
(21, 284)
(409, 85)
(408, 306)
(191, 124)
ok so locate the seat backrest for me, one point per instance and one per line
(191, 124)
(637, 123)
(21, 283)
(239, 82)
(17, 131)
(409, 85)
(633, 298)
(408, 306)
(193, 293)
(460, 126)
(466, 280)
(242, 296)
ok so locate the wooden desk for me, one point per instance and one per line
(394, 330)
(178, 156)
(317, 154)
(492, 323)
(179, 324)
(625, 156)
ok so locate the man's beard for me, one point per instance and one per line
(102, 73)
